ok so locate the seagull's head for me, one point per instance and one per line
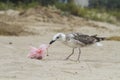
(59, 37)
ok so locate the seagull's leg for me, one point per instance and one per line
(47, 52)
(70, 54)
(79, 55)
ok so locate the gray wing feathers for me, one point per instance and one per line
(83, 38)
(86, 39)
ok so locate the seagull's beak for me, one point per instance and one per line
(52, 42)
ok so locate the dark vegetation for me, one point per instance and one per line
(101, 10)
(106, 4)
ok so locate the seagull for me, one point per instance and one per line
(76, 40)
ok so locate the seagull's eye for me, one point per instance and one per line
(57, 37)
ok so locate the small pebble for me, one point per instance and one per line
(10, 43)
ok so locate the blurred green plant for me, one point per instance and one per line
(91, 13)
(4, 6)
(107, 4)
(111, 15)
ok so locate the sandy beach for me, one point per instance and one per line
(96, 63)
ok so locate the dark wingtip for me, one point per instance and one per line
(98, 38)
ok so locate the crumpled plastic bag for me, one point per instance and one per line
(38, 53)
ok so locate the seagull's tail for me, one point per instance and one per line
(98, 39)
(114, 38)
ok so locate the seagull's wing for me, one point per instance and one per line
(85, 39)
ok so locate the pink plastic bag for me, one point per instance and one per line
(38, 53)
